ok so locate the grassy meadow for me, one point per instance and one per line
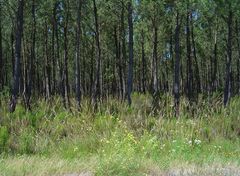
(121, 140)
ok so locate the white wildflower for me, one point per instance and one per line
(197, 141)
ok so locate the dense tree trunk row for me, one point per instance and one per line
(98, 50)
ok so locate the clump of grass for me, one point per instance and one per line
(4, 135)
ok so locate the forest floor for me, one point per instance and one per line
(118, 140)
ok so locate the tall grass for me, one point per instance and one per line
(124, 140)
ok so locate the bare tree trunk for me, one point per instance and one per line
(143, 64)
(238, 59)
(53, 50)
(30, 65)
(189, 59)
(118, 61)
(65, 67)
(1, 53)
(17, 66)
(198, 80)
(155, 81)
(92, 70)
(97, 90)
(130, 66)
(123, 52)
(47, 65)
(227, 89)
(176, 87)
(78, 55)
(58, 59)
(214, 74)
(12, 51)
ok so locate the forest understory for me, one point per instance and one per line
(121, 140)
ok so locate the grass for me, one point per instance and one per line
(118, 140)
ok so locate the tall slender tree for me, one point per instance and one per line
(238, 59)
(227, 88)
(97, 90)
(189, 85)
(123, 49)
(176, 86)
(32, 58)
(143, 63)
(130, 66)
(65, 66)
(17, 62)
(78, 54)
(1, 51)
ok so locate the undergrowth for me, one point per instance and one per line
(123, 140)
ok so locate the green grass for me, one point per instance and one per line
(118, 140)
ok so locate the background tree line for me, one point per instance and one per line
(102, 48)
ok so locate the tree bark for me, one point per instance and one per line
(53, 50)
(130, 66)
(215, 53)
(238, 59)
(1, 53)
(155, 80)
(78, 55)
(17, 66)
(97, 90)
(47, 68)
(119, 62)
(227, 88)
(176, 87)
(32, 59)
(143, 64)
(65, 67)
(189, 59)
(197, 74)
(123, 51)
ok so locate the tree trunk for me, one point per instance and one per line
(198, 80)
(78, 55)
(97, 90)
(155, 81)
(130, 66)
(119, 62)
(123, 52)
(1, 53)
(227, 89)
(238, 59)
(176, 87)
(32, 59)
(53, 50)
(16, 78)
(189, 60)
(65, 67)
(47, 65)
(12, 51)
(58, 59)
(214, 74)
(143, 64)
